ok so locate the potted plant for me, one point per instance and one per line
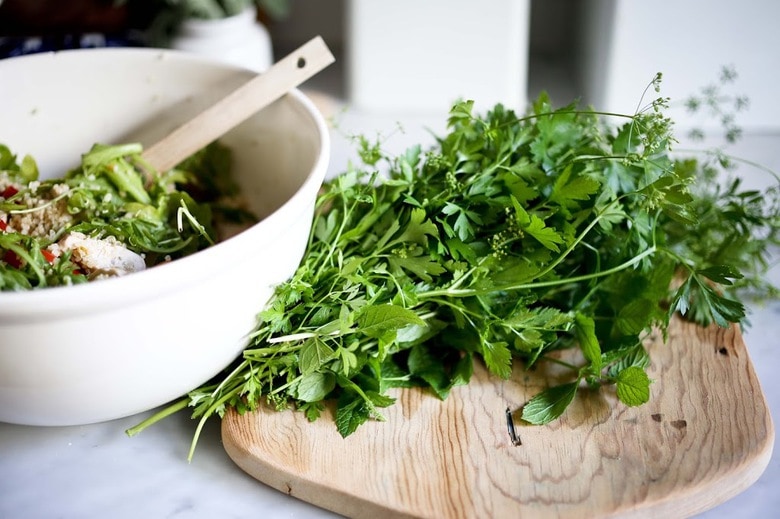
(230, 30)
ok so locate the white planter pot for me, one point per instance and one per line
(419, 57)
(238, 40)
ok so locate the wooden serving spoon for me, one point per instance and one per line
(239, 105)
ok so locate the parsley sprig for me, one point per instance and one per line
(512, 237)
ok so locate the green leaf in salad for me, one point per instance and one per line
(112, 193)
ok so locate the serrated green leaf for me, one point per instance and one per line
(418, 229)
(585, 330)
(547, 236)
(374, 320)
(550, 404)
(351, 412)
(698, 300)
(380, 400)
(723, 274)
(633, 386)
(518, 187)
(621, 358)
(635, 316)
(314, 353)
(315, 386)
(724, 311)
(544, 317)
(528, 340)
(312, 410)
(423, 267)
(535, 226)
(568, 191)
(498, 358)
(424, 365)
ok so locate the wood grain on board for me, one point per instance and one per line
(705, 436)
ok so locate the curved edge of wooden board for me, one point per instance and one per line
(275, 475)
(674, 456)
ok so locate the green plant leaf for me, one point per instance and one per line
(548, 405)
(585, 330)
(633, 386)
(315, 386)
(375, 320)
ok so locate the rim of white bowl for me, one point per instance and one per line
(37, 304)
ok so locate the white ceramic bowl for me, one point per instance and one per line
(112, 348)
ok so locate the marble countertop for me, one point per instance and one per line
(96, 471)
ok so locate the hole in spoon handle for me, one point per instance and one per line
(239, 105)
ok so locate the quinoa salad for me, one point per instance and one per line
(111, 216)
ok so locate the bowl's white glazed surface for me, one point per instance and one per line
(88, 353)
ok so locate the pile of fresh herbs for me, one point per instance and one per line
(512, 237)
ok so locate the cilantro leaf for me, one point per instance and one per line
(498, 358)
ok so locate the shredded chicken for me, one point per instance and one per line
(99, 257)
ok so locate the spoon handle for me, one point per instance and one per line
(239, 105)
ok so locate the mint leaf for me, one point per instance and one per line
(375, 320)
(585, 330)
(315, 386)
(350, 413)
(424, 365)
(633, 386)
(314, 353)
(548, 405)
(635, 316)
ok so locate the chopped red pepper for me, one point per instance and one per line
(48, 255)
(3, 225)
(9, 191)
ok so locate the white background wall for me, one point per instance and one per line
(603, 51)
(625, 42)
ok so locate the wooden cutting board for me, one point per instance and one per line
(705, 436)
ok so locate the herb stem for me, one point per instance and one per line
(206, 415)
(156, 417)
(542, 284)
(301, 336)
(559, 362)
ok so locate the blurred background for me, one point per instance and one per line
(417, 57)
